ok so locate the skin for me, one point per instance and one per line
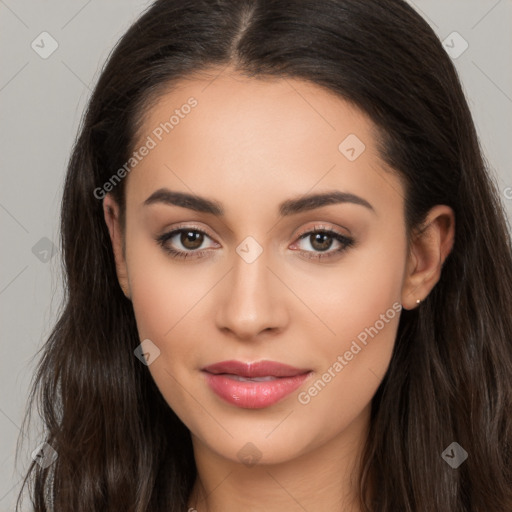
(251, 144)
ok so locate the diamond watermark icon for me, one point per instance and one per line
(44, 250)
(147, 352)
(352, 147)
(249, 455)
(455, 45)
(44, 455)
(44, 45)
(454, 455)
(249, 250)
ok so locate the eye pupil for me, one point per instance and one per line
(191, 239)
(321, 238)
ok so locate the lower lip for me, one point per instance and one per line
(253, 394)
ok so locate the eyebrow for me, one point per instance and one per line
(286, 208)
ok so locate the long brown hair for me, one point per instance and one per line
(120, 446)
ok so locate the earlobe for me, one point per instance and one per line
(429, 248)
(111, 215)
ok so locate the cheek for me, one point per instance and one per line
(361, 305)
(353, 294)
(163, 291)
(338, 396)
(168, 302)
(163, 299)
(354, 364)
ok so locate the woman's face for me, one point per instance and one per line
(251, 287)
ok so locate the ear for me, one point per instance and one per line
(111, 214)
(430, 246)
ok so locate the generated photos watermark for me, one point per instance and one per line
(147, 352)
(151, 143)
(454, 455)
(305, 397)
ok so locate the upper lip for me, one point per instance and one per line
(255, 369)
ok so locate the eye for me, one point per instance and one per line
(321, 239)
(187, 241)
(190, 238)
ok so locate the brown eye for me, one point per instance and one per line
(191, 239)
(186, 242)
(321, 241)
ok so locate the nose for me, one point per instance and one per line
(251, 301)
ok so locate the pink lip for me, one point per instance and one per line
(222, 379)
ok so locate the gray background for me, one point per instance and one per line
(42, 101)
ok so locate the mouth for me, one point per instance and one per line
(256, 370)
(253, 385)
(249, 379)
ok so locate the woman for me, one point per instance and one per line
(288, 273)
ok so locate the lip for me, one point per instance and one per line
(225, 379)
(256, 369)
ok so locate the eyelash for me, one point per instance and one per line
(345, 241)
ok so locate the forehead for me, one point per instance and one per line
(235, 107)
(274, 136)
